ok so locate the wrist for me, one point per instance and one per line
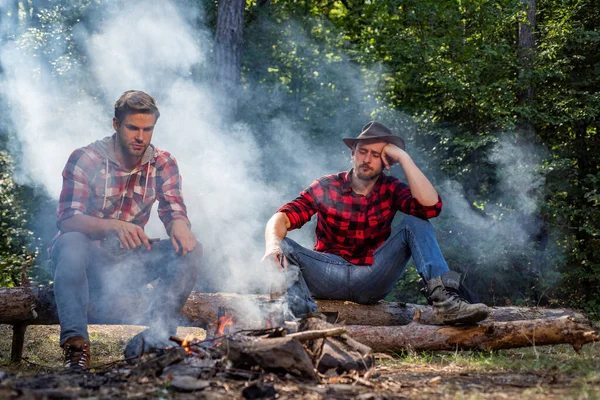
(109, 226)
(273, 247)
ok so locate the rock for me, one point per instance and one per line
(188, 384)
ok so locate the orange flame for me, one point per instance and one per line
(225, 322)
(186, 343)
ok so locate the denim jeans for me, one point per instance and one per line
(83, 272)
(329, 276)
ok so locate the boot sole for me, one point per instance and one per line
(465, 319)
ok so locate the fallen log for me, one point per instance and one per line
(393, 314)
(35, 306)
(488, 335)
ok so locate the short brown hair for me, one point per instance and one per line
(135, 102)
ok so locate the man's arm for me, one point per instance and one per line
(171, 207)
(292, 215)
(130, 235)
(420, 187)
(275, 232)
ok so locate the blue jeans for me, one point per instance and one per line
(82, 271)
(329, 276)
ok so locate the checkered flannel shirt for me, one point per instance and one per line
(351, 225)
(102, 189)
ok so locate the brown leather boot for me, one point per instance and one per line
(448, 306)
(77, 353)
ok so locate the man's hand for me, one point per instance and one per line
(130, 235)
(420, 187)
(391, 154)
(182, 237)
(277, 258)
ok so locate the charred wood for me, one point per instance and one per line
(336, 354)
(275, 354)
(155, 366)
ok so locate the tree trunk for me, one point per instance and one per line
(526, 57)
(485, 336)
(229, 38)
(526, 32)
(12, 24)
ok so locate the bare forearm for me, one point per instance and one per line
(95, 228)
(276, 231)
(420, 186)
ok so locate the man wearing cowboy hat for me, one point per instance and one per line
(357, 256)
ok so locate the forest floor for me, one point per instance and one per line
(548, 372)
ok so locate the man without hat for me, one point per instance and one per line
(101, 250)
(357, 255)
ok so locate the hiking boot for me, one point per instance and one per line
(77, 353)
(448, 306)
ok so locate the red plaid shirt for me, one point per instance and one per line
(96, 185)
(351, 225)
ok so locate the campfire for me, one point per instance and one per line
(317, 351)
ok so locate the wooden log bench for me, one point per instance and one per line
(383, 326)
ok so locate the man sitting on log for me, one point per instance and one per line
(357, 257)
(101, 250)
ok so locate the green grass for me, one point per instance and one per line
(561, 359)
(42, 352)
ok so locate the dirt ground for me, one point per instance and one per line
(534, 373)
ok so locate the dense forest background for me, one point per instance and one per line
(498, 101)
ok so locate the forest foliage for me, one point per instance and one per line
(452, 72)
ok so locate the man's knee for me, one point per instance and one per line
(71, 249)
(415, 222)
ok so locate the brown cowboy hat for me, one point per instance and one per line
(375, 130)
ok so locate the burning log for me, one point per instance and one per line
(488, 335)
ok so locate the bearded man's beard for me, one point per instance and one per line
(366, 175)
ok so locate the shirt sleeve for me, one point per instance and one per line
(300, 210)
(75, 188)
(170, 195)
(406, 203)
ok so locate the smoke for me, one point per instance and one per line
(233, 180)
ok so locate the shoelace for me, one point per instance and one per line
(73, 353)
(455, 296)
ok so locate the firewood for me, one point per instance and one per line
(317, 334)
(155, 366)
(275, 354)
(336, 354)
(489, 335)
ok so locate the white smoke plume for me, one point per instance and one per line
(155, 47)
